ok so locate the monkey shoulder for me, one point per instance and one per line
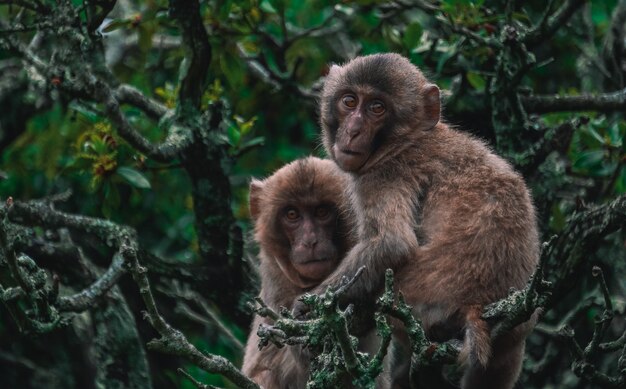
(468, 162)
(276, 289)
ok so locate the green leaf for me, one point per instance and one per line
(245, 126)
(234, 136)
(476, 80)
(258, 141)
(116, 24)
(133, 177)
(596, 135)
(412, 35)
(620, 184)
(557, 219)
(84, 110)
(233, 69)
(604, 170)
(144, 35)
(443, 59)
(267, 7)
(344, 9)
(391, 34)
(99, 146)
(111, 199)
(614, 135)
(589, 159)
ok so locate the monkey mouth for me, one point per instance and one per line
(314, 260)
(315, 268)
(351, 152)
(351, 160)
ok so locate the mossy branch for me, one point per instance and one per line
(602, 102)
(328, 322)
(549, 25)
(83, 84)
(123, 238)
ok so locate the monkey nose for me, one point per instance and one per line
(309, 243)
(354, 133)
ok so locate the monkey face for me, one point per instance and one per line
(361, 116)
(310, 230)
(301, 219)
(373, 106)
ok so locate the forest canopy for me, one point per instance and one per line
(130, 131)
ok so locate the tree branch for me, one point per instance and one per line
(198, 58)
(127, 94)
(549, 26)
(578, 240)
(86, 85)
(173, 341)
(32, 5)
(178, 138)
(88, 297)
(604, 102)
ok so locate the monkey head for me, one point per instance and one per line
(373, 107)
(299, 218)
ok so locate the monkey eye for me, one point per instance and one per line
(322, 212)
(349, 101)
(292, 214)
(377, 107)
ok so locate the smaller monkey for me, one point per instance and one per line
(302, 225)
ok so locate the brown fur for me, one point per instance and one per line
(304, 183)
(453, 220)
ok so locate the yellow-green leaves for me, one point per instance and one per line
(239, 135)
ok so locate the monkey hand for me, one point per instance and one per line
(300, 309)
(302, 305)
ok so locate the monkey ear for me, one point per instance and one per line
(432, 106)
(256, 189)
(334, 69)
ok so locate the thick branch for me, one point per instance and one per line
(196, 41)
(569, 251)
(554, 139)
(549, 26)
(86, 298)
(97, 10)
(41, 214)
(579, 239)
(173, 341)
(88, 86)
(178, 138)
(614, 51)
(127, 94)
(605, 102)
(33, 5)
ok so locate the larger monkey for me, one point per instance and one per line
(453, 220)
(301, 219)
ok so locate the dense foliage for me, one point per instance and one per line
(150, 117)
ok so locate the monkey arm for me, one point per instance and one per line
(376, 255)
(260, 364)
(252, 359)
(386, 240)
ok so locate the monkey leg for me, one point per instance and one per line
(398, 363)
(503, 368)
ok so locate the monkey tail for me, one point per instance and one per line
(476, 348)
